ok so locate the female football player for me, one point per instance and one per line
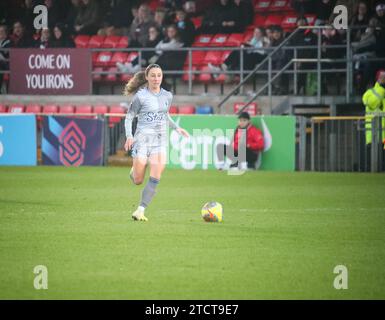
(149, 143)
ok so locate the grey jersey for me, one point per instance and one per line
(152, 111)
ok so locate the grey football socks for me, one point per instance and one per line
(149, 191)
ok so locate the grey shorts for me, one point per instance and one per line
(145, 146)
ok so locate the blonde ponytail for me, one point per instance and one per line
(138, 80)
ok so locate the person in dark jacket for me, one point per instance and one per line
(222, 18)
(185, 27)
(60, 38)
(254, 144)
(88, 19)
(4, 54)
(18, 38)
(301, 39)
(279, 60)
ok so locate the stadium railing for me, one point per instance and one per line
(338, 144)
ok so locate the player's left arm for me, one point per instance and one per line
(172, 123)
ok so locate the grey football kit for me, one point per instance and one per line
(153, 119)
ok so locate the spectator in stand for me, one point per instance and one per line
(5, 43)
(60, 39)
(27, 16)
(154, 37)
(252, 56)
(18, 37)
(324, 9)
(360, 21)
(246, 136)
(279, 60)
(44, 40)
(169, 60)
(53, 12)
(118, 19)
(222, 18)
(304, 38)
(369, 46)
(330, 37)
(88, 18)
(378, 21)
(246, 12)
(160, 20)
(138, 33)
(269, 33)
(185, 27)
(72, 13)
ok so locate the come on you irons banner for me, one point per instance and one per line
(50, 71)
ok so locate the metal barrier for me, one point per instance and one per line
(338, 144)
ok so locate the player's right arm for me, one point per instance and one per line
(132, 111)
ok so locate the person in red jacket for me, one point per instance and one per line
(254, 144)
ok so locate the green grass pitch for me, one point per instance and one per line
(282, 235)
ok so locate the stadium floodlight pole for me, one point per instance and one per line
(261, 64)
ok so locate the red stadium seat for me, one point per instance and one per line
(97, 76)
(186, 109)
(116, 109)
(248, 35)
(123, 42)
(197, 21)
(173, 110)
(202, 40)
(3, 108)
(221, 78)
(234, 40)
(96, 41)
(67, 109)
(262, 6)
(225, 55)
(16, 108)
(84, 108)
(197, 57)
(218, 40)
(50, 108)
(103, 59)
(81, 41)
(205, 76)
(94, 57)
(280, 6)
(273, 20)
(33, 108)
(100, 109)
(118, 57)
(259, 20)
(132, 56)
(289, 23)
(113, 75)
(251, 109)
(213, 57)
(111, 42)
(185, 76)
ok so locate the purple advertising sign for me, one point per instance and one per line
(50, 71)
(71, 141)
